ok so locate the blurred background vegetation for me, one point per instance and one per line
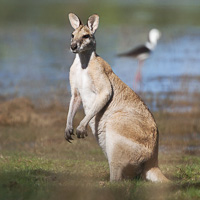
(51, 12)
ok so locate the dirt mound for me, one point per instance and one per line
(22, 111)
(16, 111)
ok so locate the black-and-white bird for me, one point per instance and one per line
(142, 52)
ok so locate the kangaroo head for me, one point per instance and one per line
(82, 38)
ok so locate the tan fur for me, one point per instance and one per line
(119, 119)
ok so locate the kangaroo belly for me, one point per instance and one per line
(98, 129)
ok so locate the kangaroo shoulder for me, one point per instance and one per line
(99, 66)
(105, 66)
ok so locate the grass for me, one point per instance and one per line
(27, 176)
(37, 163)
(47, 167)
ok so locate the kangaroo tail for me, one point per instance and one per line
(155, 175)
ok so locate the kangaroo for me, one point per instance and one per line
(122, 124)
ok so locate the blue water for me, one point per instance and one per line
(35, 61)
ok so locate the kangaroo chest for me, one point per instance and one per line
(85, 86)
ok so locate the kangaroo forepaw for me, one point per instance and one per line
(81, 132)
(68, 134)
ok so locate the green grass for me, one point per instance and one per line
(27, 176)
(45, 166)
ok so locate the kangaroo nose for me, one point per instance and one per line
(74, 46)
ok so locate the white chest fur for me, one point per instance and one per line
(84, 84)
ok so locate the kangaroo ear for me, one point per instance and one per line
(74, 20)
(93, 23)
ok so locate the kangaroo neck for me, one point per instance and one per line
(85, 57)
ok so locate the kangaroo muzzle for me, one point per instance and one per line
(74, 46)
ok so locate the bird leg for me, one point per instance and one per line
(138, 76)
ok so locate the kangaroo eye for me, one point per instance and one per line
(72, 36)
(86, 36)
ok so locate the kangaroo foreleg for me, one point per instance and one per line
(73, 107)
(100, 101)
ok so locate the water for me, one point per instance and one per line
(35, 57)
(33, 61)
(170, 60)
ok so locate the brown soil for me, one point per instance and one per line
(21, 111)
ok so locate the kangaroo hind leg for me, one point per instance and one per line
(124, 156)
